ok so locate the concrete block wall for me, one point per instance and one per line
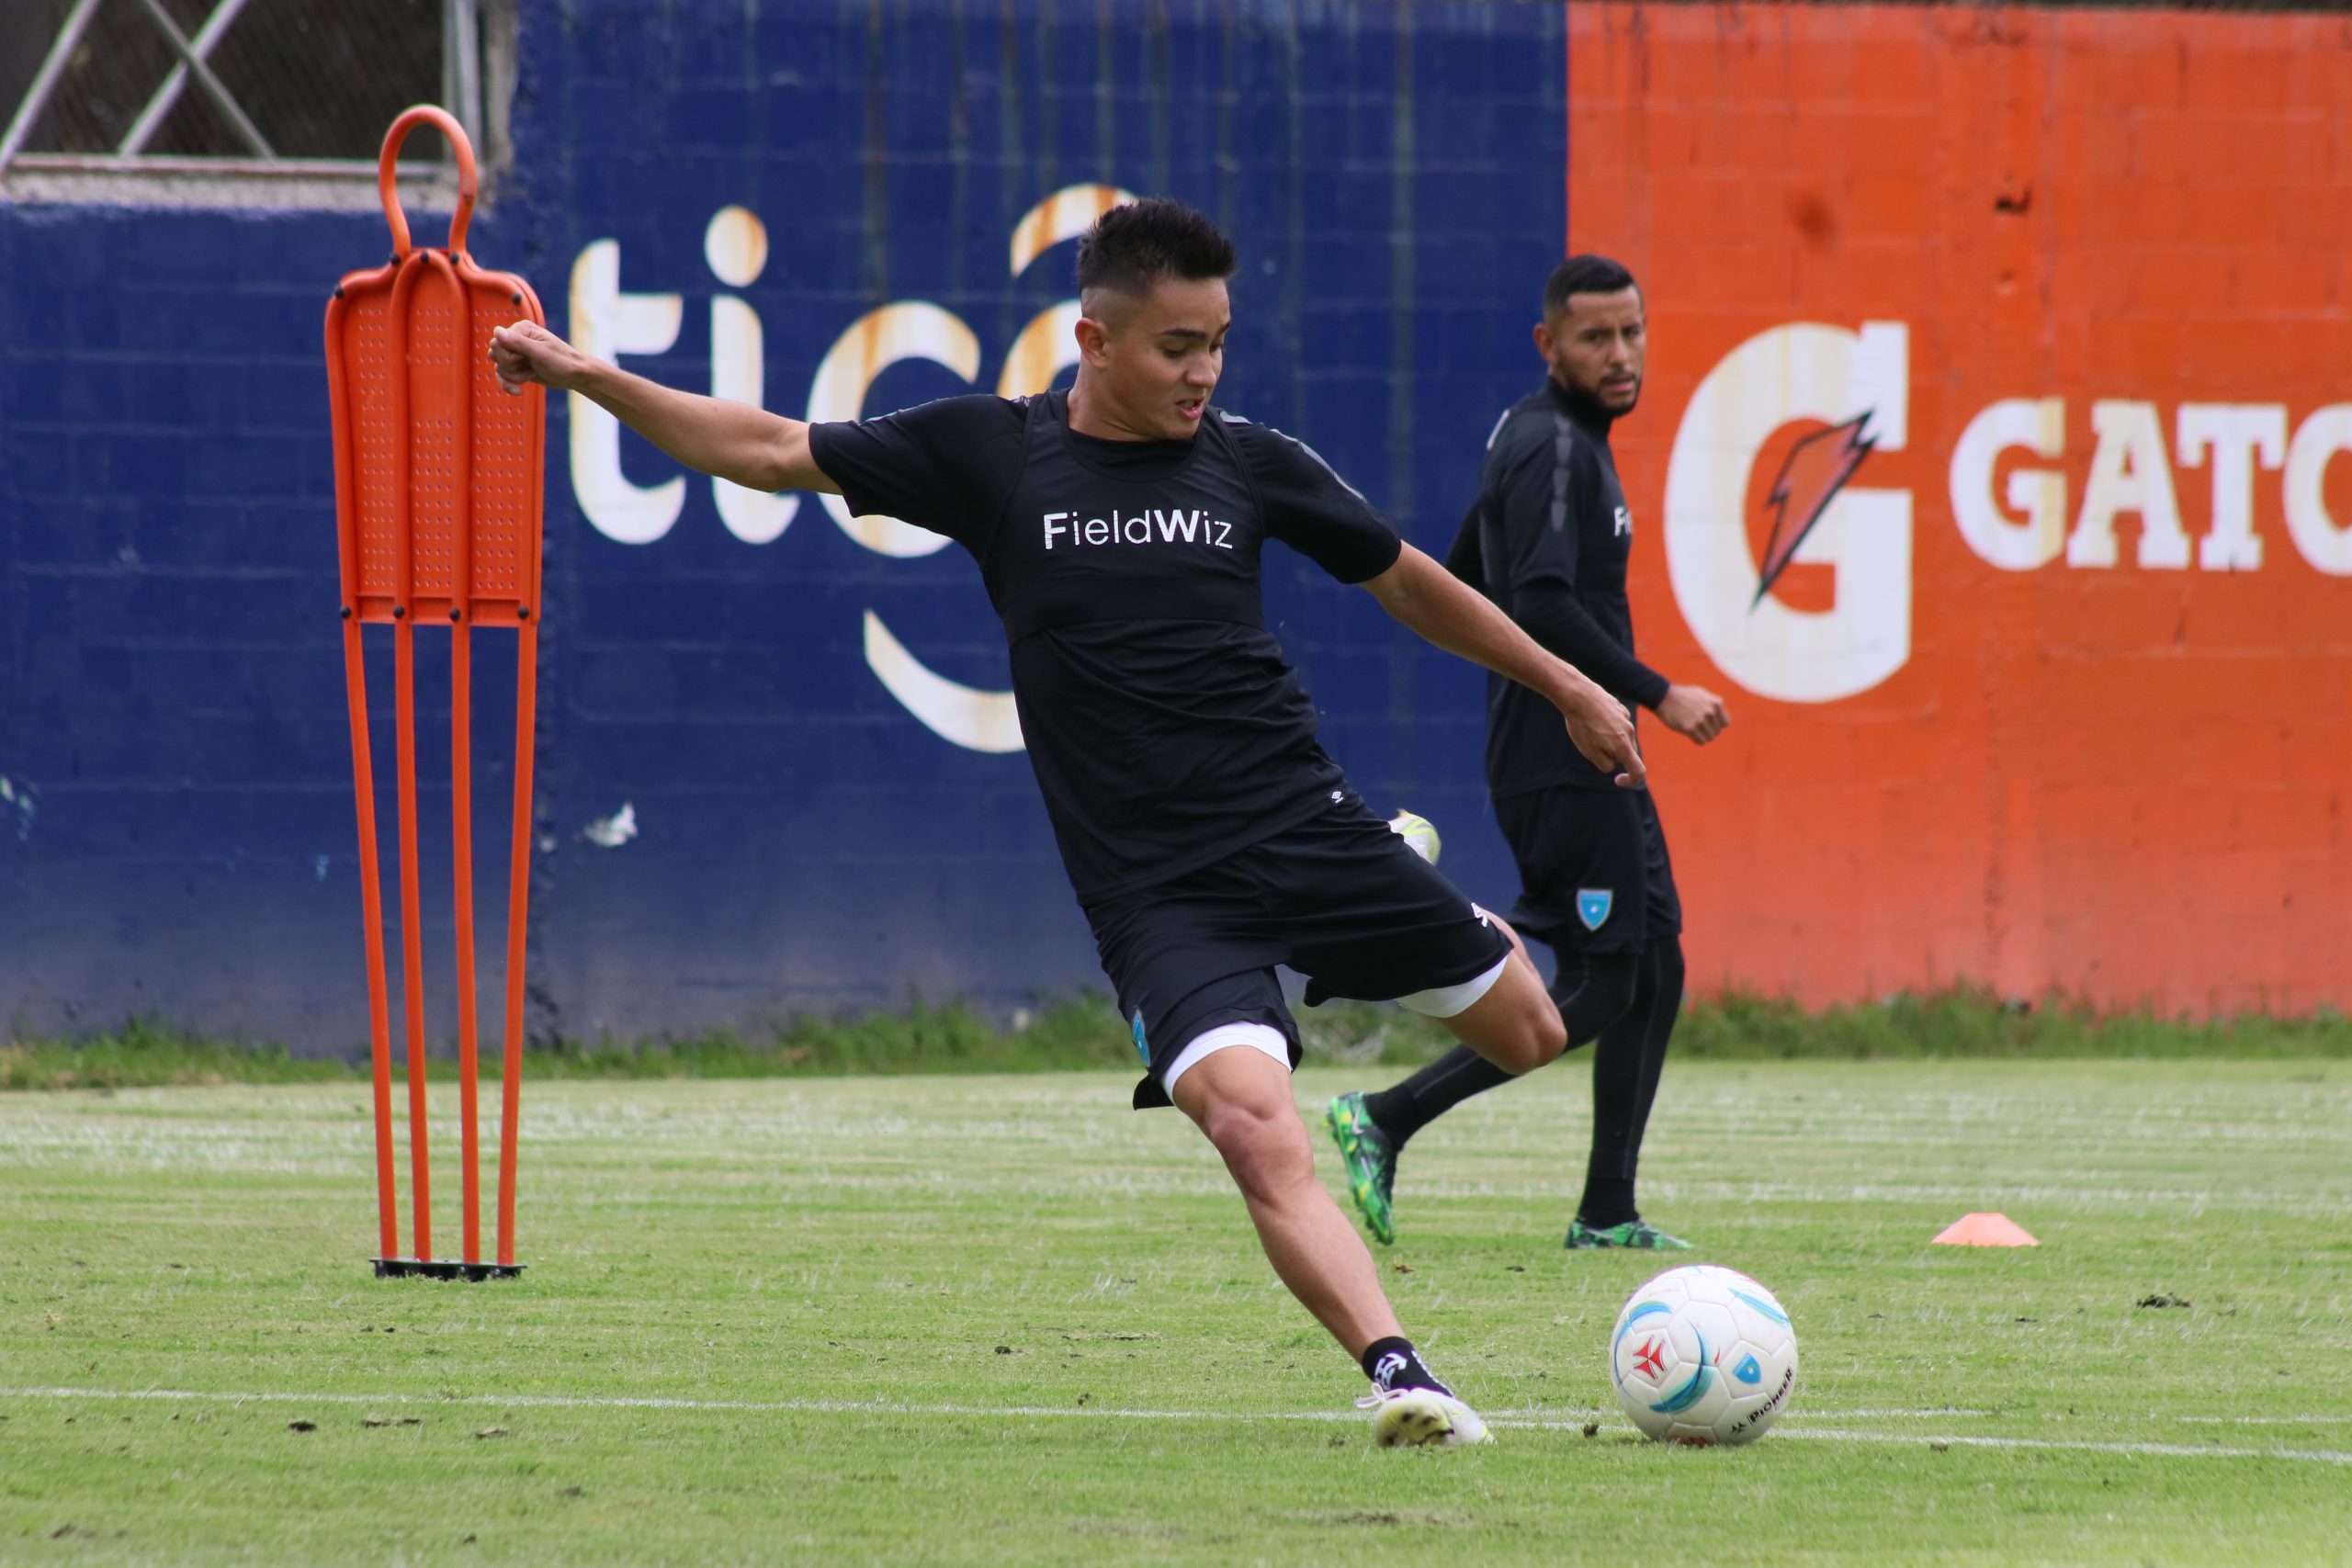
(1987, 755)
(2114, 756)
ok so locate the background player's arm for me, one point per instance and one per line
(1548, 611)
(734, 441)
(1432, 601)
(1540, 590)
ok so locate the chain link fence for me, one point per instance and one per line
(240, 86)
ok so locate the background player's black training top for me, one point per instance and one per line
(1165, 727)
(1548, 540)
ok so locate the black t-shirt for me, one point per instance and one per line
(1548, 540)
(1166, 729)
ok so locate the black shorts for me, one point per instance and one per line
(1339, 897)
(1592, 866)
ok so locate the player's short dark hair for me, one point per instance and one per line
(1134, 246)
(1583, 274)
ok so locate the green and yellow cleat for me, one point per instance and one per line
(1637, 1234)
(1370, 1161)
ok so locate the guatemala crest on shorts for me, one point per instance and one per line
(1592, 907)
(1135, 1029)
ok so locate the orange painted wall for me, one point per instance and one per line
(2130, 782)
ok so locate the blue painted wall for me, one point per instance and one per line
(176, 832)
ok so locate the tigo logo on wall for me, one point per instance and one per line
(607, 322)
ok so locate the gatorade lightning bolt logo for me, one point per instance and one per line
(1816, 470)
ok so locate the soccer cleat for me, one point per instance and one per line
(1421, 1418)
(1637, 1234)
(1370, 1161)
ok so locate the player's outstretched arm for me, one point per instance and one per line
(1458, 618)
(750, 447)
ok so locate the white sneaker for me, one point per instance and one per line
(1418, 833)
(1420, 1418)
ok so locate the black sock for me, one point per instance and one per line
(1626, 1066)
(1593, 990)
(1407, 1107)
(1393, 1363)
(1607, 1201)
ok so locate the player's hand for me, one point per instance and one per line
(1694, 712)
(1599, 727)
(527, 352)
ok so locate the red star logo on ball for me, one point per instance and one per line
(1648, 1358)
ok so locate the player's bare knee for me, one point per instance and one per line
(1241, 1123)
(1265, 1152)
(1514, 1025)
(1548, 1037)
(1530, 1040)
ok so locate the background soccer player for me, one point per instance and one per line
(1207, 834)
(1548, 540)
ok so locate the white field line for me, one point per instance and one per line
(1559, 1415)
(1575, 1421)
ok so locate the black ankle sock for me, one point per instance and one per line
(1592, 991)
(1405, 1107)
(1393, 1363)
(1607, 1201)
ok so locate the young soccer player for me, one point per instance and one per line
(1548, 540)
(1118, 528)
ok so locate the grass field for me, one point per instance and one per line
(1002, 1319)
(1086, 1032)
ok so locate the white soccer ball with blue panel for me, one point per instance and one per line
(1418, 833)
(1704, 1355)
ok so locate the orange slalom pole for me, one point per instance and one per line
(518, 905)
(362, 769)
(404, 722)
(462, 805)
(461, 799)
(412, 939)
(371, 907)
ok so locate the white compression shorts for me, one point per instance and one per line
(1443, 1001)
(1257, 1037)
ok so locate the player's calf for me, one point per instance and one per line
(1242, 1101)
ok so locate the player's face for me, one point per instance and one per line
(1595, 346)
(1156, 360)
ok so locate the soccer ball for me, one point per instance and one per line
(1704, 1355)
(1418, 833)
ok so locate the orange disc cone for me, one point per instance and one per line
(1985, 1230)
